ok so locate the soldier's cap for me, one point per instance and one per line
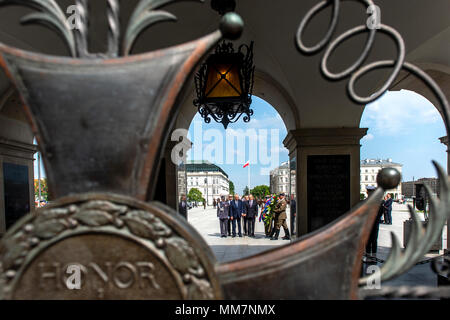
(281, 195)
(371, 188)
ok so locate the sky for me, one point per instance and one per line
(403, 126)
(264, 148)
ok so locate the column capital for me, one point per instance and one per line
(444, 140)
(17, 149)
(324, 137)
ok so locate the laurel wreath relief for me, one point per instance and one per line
(97, 214)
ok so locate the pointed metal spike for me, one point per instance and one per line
(432, 199)
(396, 247)
(416, 231)
(391, 266)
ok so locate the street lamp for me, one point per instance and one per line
(224, 83)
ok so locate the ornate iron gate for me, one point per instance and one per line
(100, 221)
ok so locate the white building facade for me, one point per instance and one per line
(369, 170)
(209, 178)
(280, 179)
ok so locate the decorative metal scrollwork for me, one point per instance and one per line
(355, 71)
(76, 37)
(421, 238)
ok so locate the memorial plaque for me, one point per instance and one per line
(17, 192)
(328, 187)
(94, 248)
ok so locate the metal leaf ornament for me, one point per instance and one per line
(50, 15)
(422, 237)
(144, 16)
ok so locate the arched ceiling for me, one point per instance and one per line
(272, 25)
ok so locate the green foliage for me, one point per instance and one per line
(362, 196)
(231, 187)
(260, 191)
(44, 189)
(195, 195)
(246, 191)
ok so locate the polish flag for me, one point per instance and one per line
(246, 164)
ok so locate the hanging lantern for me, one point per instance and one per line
(224, 84)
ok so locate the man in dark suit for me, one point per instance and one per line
(388, 209)
(183, 207)
(244, 204)
(230, 199)
(236, 210)
(251, 212)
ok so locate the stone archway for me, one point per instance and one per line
(441, 75)
(265, 87)
(16, 161)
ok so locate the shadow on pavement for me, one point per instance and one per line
(419, 275)
(227, 253)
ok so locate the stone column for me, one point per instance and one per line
(170, 176)
(16, 171)
(325, 149)
(444, 140)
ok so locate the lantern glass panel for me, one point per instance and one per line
(223, 81)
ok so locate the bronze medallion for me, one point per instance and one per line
(115, 247)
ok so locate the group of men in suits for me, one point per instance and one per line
(235, 214)
(238, 213)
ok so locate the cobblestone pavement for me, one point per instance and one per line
(229, 249)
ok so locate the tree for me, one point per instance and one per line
(195, 195)
(44, 189)
(246, 191)
(231, 187)
(260, 191)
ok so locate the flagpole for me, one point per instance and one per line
(249, 187)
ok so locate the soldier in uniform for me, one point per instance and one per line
(280, 219)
